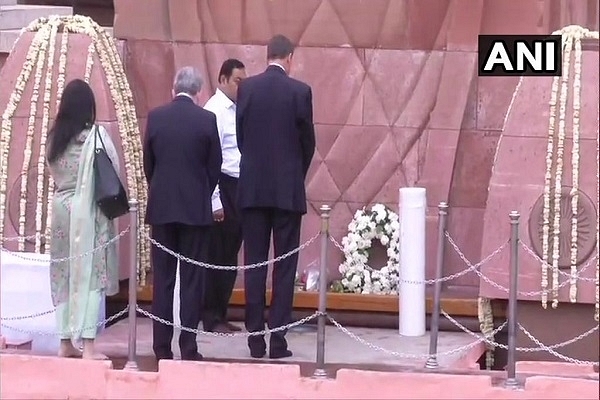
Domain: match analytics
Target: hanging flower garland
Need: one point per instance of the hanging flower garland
(135, 147)
(575, 169)
(114, 68)
(60, 87)
(597, 305)
(89, 63)
(5, 134)
(44, 133)
(105, 48)
(485, 315)
(547, 183)
(377, 223)
(122, 86)
(45, 34)
(572, 36)
(127, 121)
(560, 150)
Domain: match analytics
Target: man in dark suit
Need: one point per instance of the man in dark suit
(276, 138)
(182, 163)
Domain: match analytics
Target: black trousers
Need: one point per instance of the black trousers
(225, 243)
(257, 226)
(192, 242)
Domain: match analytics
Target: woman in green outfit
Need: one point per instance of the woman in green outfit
(78, 227)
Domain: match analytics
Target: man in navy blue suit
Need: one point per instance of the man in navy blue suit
(182, 163)
(276, 139)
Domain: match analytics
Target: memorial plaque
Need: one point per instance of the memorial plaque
(586, 227)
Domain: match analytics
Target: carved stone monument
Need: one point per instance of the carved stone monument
(546, 168)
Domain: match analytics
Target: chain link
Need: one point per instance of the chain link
(181, 257)
(71, 258)
(24, 238)
(336, 244)
(407, 355)
(229, 335)
(555, 353)
(44, 333)
(563, 273)
(497, 285)
(541, 346)
(32, 316)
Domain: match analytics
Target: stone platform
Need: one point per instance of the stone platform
(34, 377)
(340, 350)
(354, 371)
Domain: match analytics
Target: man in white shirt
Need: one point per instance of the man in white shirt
(226, 234)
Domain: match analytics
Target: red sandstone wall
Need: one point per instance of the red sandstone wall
(518, 181)
(396, 97)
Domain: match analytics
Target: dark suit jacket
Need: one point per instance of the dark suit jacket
(182, 163)
(276, 138)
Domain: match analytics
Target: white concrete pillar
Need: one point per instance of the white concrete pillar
(412, 206)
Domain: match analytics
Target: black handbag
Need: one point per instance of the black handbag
(109, 193)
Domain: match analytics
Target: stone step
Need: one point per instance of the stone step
(555, 368)
(8, 2)
(19, 16)
(9, 36)
(24, 344)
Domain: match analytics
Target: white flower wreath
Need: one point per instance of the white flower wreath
(378, 223)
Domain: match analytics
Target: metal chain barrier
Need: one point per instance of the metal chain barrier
(470, 267)
(503, 288)
(555, 353)
(541, 346)
(133, 308)
(181, 257)
(31, 316)
(522, 349)
(82, 255)
(563, 273)
(229, 335)
(43, 333)
(57, 260)
(479, 338)
(408, 355)
(24, 238)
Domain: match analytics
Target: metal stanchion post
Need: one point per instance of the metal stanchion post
(511, 380)
(133, 262)
(432, 361)
(322, 321)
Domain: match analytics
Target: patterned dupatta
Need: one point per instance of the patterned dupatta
(86, 226)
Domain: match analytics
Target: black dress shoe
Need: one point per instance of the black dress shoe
(193, 357)
(257, 346)
(257, 352)
(280, 354)
(164, 357)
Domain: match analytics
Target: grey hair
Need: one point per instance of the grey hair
(188, 80)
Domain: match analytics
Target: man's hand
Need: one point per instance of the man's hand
(218, 215)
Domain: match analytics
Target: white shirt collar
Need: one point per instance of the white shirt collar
(226, 101)
(186, 95)
(279, 65)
